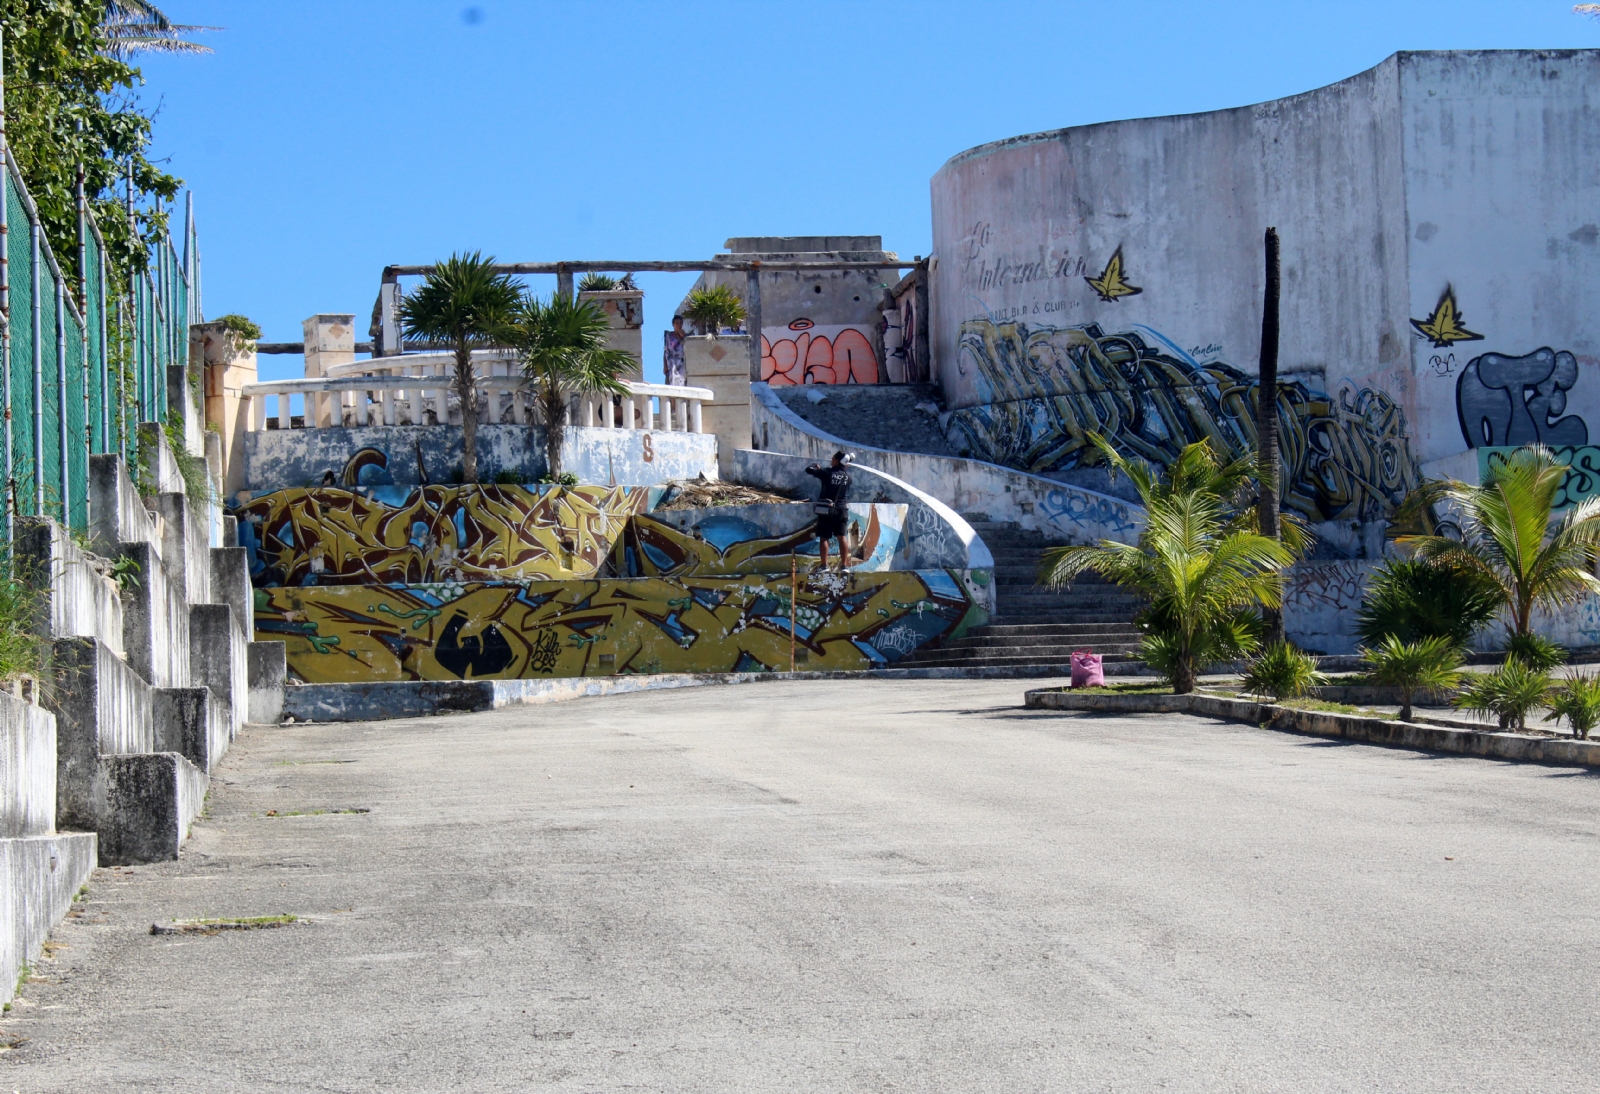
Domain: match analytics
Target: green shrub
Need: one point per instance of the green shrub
(1282, 672)
(21, 649)
(566, 478)
(597, 282)
(196, 473)
(1578, 701)
(507, 478)
(1426, 665)
(241, 330)
(1539, 654)
(710, 310)
(1509, 693)
(1413, 600)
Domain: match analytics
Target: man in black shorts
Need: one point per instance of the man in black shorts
(832, 516)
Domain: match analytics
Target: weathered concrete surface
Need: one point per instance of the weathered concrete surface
(219, 657)
(27, 769)
(190, 722)
(854, 887)
(102, 707)
(116, 511)
(150, 800)
(73, 598)
(278, 458)
(1435, 737)
(267, 673)
(38, 876)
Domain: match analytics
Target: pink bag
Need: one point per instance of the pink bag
(1086, 670)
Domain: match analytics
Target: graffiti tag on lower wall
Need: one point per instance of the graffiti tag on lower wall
(736, 623)
(1346, 456)
(1581, 481)
(384, 534)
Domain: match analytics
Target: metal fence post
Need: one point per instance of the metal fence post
(63, 432)
(5, 306)
(38, 368)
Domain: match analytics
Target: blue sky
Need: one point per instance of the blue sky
(324, 140)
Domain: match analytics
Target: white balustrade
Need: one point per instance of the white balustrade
(417, 392)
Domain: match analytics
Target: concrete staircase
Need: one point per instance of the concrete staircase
(1038, 628)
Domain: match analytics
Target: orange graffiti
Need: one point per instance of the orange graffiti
(847, 358)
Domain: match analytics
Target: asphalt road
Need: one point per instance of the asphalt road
(865, 886)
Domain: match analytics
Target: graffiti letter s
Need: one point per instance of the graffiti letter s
(649, 449)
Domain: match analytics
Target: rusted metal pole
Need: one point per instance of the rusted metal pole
(794, 581)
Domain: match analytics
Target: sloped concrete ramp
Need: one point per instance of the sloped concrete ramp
(836, 886)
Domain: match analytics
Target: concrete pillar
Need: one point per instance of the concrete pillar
(624, 310)
(230, 585)
(229, 364)
(722, 363)
(330, 340)
(269, 672)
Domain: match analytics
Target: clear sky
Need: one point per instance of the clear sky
(327, 139)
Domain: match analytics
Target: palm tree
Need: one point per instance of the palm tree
(1507, 538)
(564, 352)
(1428, 664)
(465, 304)
(137, 26)
(1203, 570)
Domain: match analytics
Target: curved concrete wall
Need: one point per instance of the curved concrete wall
(1439, 240)
(1064, 513)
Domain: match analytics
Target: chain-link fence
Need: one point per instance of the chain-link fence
(82, 362)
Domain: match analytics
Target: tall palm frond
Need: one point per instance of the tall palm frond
(1202, 570)
(1507, 536)
(465, 304)
(137, 26)
(564, 351)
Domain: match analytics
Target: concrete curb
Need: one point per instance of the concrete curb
(422, 698)
(1351, 727)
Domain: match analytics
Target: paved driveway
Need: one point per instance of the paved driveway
(873, 886)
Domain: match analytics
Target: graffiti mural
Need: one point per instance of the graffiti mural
(732, 544)
(1510, 401)
(1346, 456)
(1581, 481)
(805, 353)
(379, 535)
(737, 623)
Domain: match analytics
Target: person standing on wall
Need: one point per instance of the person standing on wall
(832, 515)
(672, 353)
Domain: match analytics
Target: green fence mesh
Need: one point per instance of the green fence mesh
(83, 370)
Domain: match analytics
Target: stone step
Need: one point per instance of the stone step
(1054, 651)
(1050, 630)
(1057, 618)
(933, 659)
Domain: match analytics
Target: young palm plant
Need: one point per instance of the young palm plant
(1507, 538)
(1282, 672)
(1578, 701)
(1428, 664)
(1202, 571)
(465, 304)
(1510, 693)
(563, 349)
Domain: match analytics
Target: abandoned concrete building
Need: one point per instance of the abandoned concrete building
(214, 549)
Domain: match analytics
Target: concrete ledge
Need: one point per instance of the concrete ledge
(150, 800)
(218, 657)
(39, 875)
(75, 600)
(101, 707)
(268, 673)
(192, 723)
(27, 769)
(1350, 727)
(421, 698)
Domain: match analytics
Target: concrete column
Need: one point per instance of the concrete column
(229, 365)
(624, 310)
(722, 363)
(330, 340)
(269, 672)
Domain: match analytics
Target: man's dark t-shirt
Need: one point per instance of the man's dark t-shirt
(835, 492)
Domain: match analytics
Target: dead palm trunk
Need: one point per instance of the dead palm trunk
(1267, 422)
(467, 395)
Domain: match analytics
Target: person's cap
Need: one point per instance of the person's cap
(844, 457)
